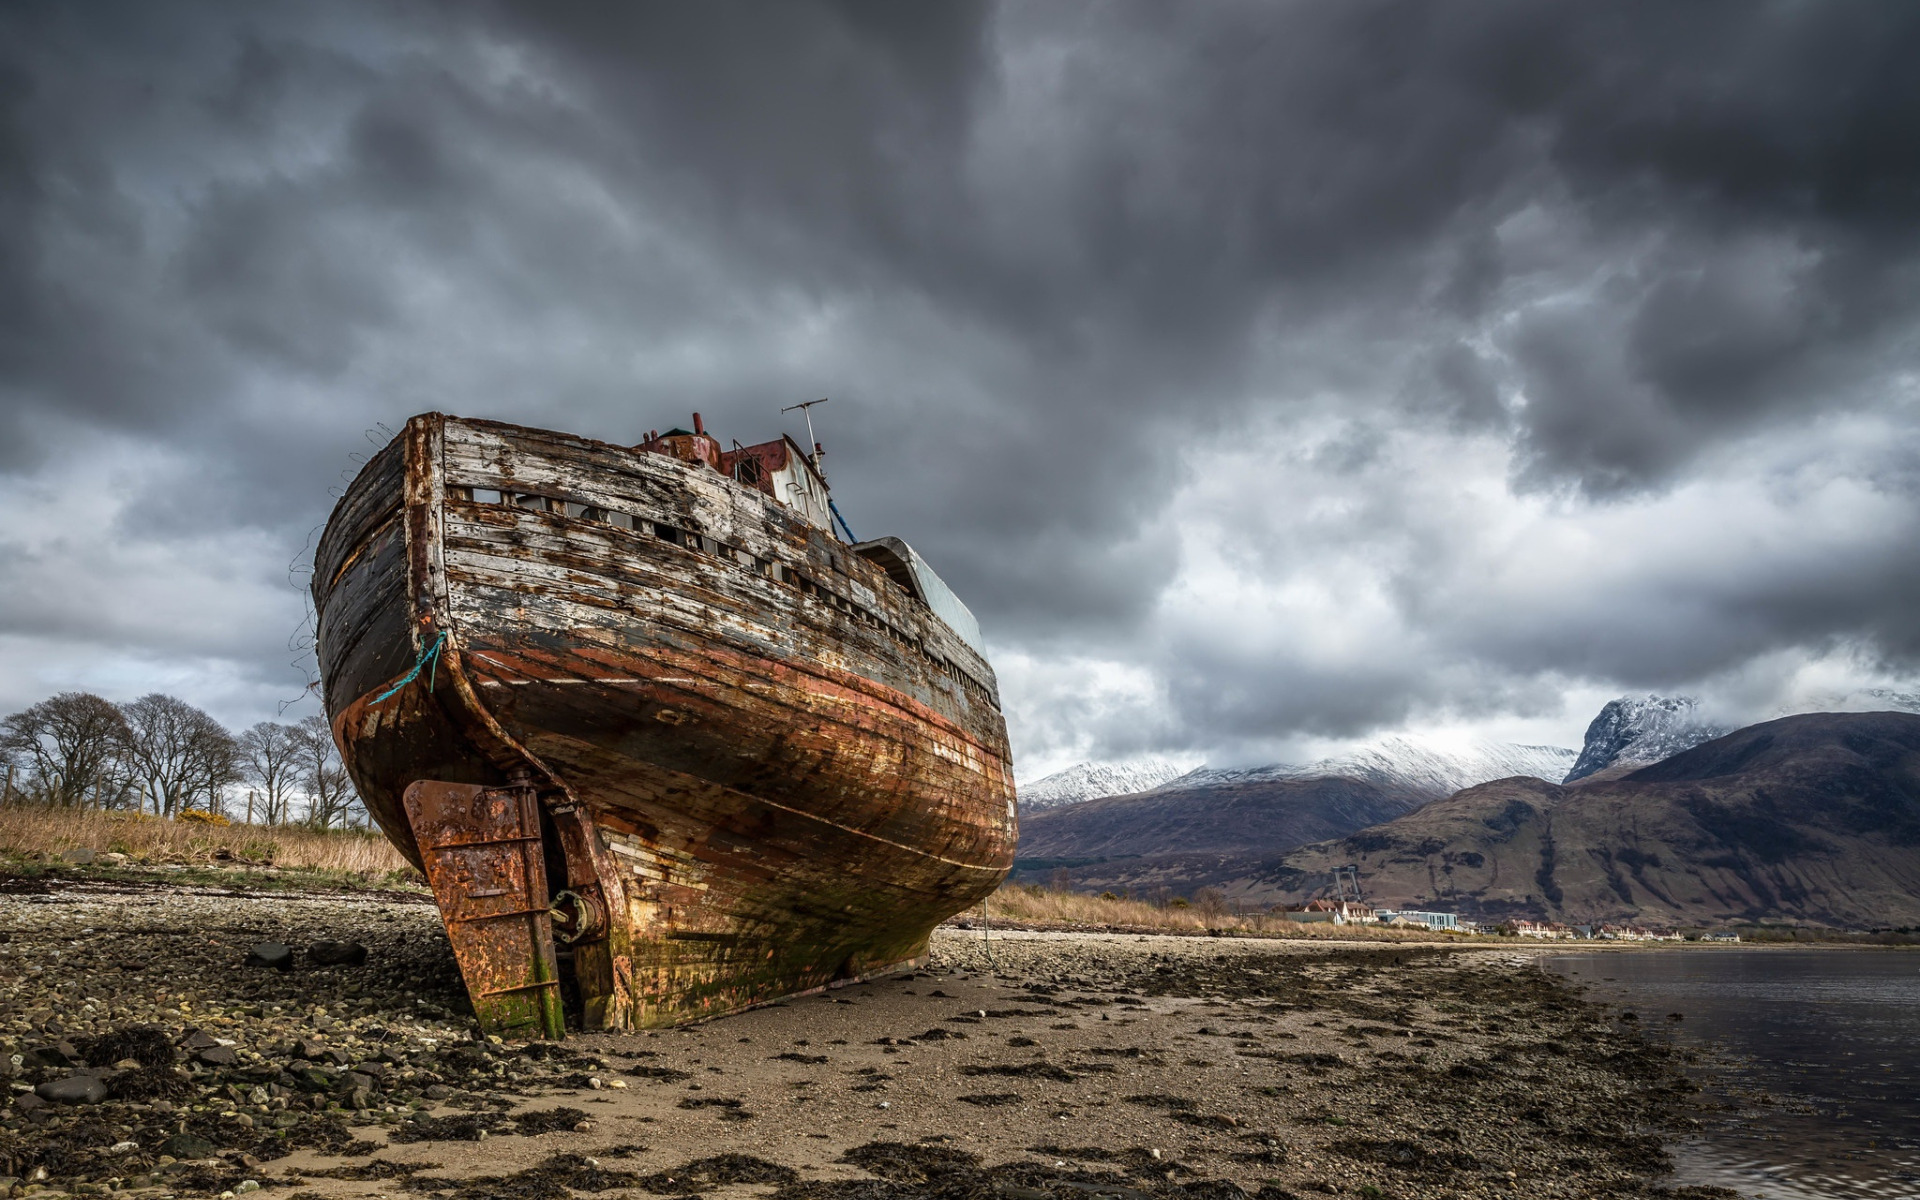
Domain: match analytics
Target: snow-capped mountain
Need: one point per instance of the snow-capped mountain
(1087, 780)
(1404, 762)
(1637, 731)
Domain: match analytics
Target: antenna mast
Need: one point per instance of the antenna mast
(813, 445)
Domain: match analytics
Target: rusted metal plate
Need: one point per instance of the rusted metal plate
(482, 853)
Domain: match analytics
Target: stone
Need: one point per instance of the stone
(271, 954)
(114, 858)
(219, 1056)
(27, 1101)
(80, 856)
(58, 1056)
(74, 1089)
(198, 1039)
(309, 1049)
(185, 1146)
(337, 954)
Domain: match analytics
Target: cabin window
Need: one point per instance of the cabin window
(588, 512)
(530, 502)
(667, 533)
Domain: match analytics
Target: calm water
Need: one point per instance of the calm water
(1824, 1085)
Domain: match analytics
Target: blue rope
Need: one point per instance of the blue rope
(841, 519)
(431, 655)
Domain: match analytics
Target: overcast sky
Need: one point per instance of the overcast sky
(1263, 375)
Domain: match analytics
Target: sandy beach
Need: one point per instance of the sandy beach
(1026, 1066)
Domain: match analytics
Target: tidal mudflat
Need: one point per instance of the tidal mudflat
(1031, 1067)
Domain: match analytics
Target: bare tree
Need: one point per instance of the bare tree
(271, 755)
(219, 765)
(330, 794)
(179, 753)
(74, 745)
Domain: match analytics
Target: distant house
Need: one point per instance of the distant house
(1432, 920)
(1333, 912)
(1537, 929)
(1719, 937)
(1637, 933)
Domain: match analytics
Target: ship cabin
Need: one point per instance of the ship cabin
(782, 470)
(779, 468)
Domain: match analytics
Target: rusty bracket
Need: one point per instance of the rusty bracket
(591, 916)
(482, 851)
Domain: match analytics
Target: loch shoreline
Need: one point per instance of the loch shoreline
(1016, 1064)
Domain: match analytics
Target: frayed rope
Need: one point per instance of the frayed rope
(431, 655)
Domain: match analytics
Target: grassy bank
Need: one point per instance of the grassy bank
(1047, 908)
(36, 839)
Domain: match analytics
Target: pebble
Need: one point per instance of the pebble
(337, 954)
(277, 955)
(74, 1089)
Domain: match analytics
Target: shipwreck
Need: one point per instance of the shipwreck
(665, 744)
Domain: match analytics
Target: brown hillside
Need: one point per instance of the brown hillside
(1813, 818)
(1271, 815)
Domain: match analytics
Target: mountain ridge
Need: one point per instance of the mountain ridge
(1813, 818)
(1091, 780)
(1638, 730)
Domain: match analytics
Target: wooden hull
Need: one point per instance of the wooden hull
(763, 765)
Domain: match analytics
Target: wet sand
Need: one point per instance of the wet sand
(1068, 1066)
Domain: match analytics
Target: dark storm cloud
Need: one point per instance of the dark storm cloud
(1054, 262)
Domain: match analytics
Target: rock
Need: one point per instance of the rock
(271, 954)
(114, 858)
(187, 1146)
(218, 1056)
(438, 1091)
(74, 1089)
(59, 1056)
(80, 856)
(337, 954)
(309, 1049)
(27, 1102)
(198, 1039)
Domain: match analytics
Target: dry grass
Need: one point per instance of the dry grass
(1049, 908)
(41, 834)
